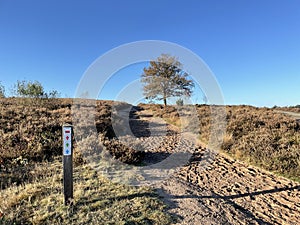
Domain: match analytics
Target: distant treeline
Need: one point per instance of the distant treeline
(29, 89)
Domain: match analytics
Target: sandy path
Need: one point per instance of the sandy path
(234, 193)
(226, 191)
(293, 114)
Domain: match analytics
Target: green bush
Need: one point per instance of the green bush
(2, 91)
(179, 102)
(29, 89)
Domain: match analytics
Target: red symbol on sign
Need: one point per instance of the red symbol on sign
(67, 131)
(67, 137)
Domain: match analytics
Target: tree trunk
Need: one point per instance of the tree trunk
(165, 101)
(165, 97)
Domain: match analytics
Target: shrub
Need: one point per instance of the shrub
(29, 89)
(261, 136)
(2, 91)
(179, 102)
(33, 132)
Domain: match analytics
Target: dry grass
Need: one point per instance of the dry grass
(96, 200)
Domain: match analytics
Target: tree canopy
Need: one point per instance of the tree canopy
(164, 78)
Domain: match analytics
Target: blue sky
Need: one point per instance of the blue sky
(252, 47)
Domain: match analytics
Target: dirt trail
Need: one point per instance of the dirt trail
(292, 114)
(226, 191)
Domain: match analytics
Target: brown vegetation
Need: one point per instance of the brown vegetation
(30, 157)
(295, 109)
(30, 132)
(259, 136)
(31, 169)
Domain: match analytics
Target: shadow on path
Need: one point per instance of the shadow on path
(229, 199)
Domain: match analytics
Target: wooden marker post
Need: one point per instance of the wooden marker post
(67, 162)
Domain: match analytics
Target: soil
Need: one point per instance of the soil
(225, 191)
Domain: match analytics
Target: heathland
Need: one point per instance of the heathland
(31, 151)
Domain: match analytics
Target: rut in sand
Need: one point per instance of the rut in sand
(225, 192)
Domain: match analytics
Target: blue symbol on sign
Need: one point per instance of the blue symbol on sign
(67, 151)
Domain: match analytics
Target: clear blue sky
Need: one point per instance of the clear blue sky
(252, 47)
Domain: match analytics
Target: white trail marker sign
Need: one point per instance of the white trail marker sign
(67, 163)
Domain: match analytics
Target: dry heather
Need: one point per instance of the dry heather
(295, 109)
(30, 132)
(31, 168)
(260, 136)
(30, 157)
